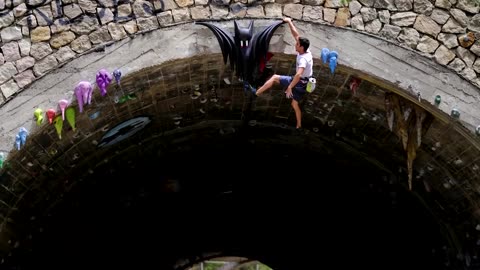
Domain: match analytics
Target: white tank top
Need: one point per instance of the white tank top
(306, 61)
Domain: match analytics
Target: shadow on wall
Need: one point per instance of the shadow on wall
(280, 204)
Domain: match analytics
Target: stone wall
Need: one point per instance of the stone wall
(37, 36)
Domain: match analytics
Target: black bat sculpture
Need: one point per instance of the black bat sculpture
(245, 50)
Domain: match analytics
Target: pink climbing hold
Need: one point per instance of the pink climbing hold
(63, 103)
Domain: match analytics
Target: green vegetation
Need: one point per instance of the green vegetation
(253, 266)
(211, 266)
(247, 266)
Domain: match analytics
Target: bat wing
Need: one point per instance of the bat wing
(226, 42)
(261, 42)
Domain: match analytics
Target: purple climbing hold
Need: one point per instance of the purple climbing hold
(103, 80)
(83, 92)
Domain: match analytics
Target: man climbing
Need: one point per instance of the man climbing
(296, 85)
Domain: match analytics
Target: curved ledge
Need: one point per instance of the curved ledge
(380, 61)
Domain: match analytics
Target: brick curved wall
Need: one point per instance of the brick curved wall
(38, 36)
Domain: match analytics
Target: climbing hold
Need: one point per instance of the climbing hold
(126, 98)
(477, 130)
(2, 159)
(21, 138)
(103, 79)
(438, 99)
(455, 113)
(83, 92)
(50, 115)
(18, 143)
(58, 122)
(94, 115)
(466, 40)
(23, 135)
(118, 75)
(354, 83)
(70, 112)
(332, 60)
(63, 103)
(38, 113)
(324, 55)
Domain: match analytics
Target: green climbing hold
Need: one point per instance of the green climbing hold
(127, 98)
(71, 117)
(58, 122)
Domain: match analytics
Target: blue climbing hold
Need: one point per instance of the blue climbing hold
(21, 138)
(332, 59)
(17, 141)
(324, 55)
(23, 135)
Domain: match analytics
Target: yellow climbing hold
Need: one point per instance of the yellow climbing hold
(38, 113)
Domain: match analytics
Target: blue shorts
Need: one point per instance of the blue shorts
(299, 90)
